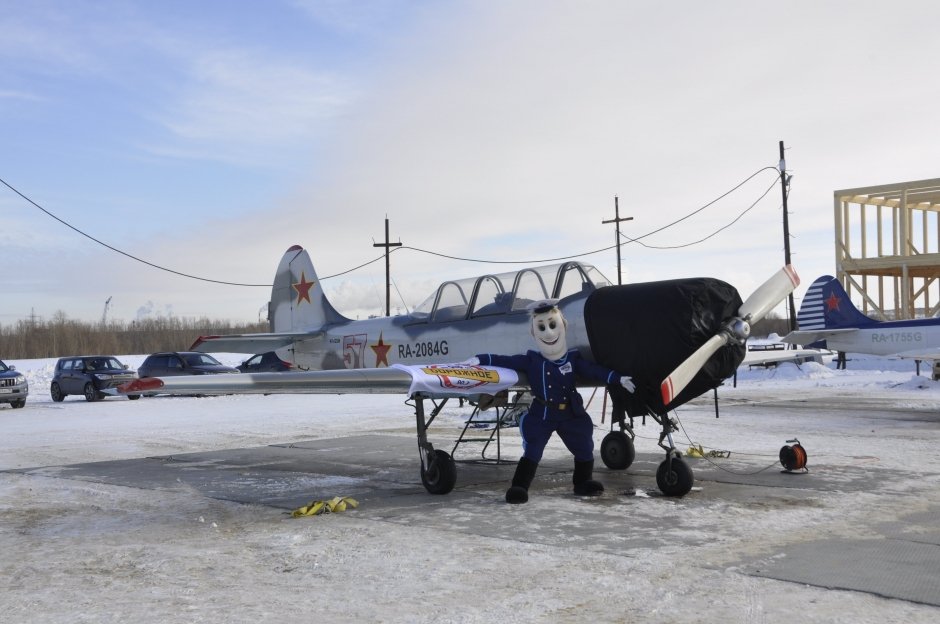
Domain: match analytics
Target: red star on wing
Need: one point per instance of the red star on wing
(832, 303)
(303, 288)
(381, 352)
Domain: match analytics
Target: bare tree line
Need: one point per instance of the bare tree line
(61, 336)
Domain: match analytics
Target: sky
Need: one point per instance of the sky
(207, 138)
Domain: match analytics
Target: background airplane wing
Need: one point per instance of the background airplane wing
(250, 343)
(811, 336)
(927, 354)
(754, 358)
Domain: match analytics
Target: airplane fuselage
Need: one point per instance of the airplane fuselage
(889, 338)
(379, 342)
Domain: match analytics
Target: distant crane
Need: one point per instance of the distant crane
(104, 315)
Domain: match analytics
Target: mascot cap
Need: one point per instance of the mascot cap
(539, 307)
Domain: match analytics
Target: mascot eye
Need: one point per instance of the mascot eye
(541, 327)
(552, 324)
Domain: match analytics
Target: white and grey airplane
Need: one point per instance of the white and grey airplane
(827, 314)
(677, 339)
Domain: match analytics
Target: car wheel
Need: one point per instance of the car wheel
(56, 392)
(18, 404)
(90, 393)
(133, 397)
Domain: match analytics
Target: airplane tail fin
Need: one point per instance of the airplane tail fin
(298, 302)
(826, 305)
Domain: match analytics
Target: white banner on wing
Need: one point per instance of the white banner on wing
(458, 380)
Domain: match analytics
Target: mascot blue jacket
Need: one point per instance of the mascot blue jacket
(557, 405)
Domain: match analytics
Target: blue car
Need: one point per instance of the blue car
(174, 363)
(264, 363)
(89, 376)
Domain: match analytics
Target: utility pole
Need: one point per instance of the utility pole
(784, 183)
(388, 270)
(104, 315)
(617, 219)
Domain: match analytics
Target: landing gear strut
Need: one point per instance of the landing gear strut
(438, 470)
(617, 448)
(674, 477)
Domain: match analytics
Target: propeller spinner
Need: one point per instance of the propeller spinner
(738, 329)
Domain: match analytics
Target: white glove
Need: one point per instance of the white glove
(627, 383)
(474, 361)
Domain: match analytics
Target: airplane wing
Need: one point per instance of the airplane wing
(811, 336)
(435, 381)
(773, 356)
(250, 343)
(930, 354)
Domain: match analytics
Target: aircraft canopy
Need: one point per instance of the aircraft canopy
(508, 292)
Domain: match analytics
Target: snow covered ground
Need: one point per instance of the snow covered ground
(75, 551)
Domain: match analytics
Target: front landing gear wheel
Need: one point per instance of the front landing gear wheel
(617, 450)
(674, 477)
(440, 475)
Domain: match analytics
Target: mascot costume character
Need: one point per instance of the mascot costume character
(557, 405)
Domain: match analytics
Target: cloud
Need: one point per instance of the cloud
(350, 16)
(236, 104)
(504, 130)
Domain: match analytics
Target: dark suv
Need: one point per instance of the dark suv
(13, 386)
(174, 363)
(89, 375)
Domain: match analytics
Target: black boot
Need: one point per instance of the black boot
(525, 472)
(584, 485)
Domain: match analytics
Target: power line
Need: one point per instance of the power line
(715, 233)
(124, 253)
(434, 253)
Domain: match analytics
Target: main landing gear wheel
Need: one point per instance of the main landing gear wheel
(674, 477)
(440, 475)
(617, 450)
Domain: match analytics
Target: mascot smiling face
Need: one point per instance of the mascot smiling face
(548, 329)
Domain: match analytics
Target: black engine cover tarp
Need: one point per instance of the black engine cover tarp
(646, 330)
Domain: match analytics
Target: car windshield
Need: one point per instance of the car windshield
(103, 363)
(3, 367)
(201, 359)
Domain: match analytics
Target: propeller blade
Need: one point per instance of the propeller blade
(683, 374)
(769, 294)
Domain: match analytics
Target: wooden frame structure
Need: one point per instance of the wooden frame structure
(888, 247)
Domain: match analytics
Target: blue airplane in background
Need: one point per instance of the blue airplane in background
(827, 314)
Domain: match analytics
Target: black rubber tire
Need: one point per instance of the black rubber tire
(56, 392)
(441, 475)
(91, 395)
(617, 450)
(674, 478)
(18, 404)
(133, 397)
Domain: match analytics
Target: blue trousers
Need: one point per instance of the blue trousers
(577, 433)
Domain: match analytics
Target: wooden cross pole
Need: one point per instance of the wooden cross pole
(388, 271)
(617, 219)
